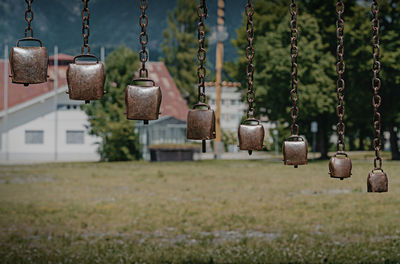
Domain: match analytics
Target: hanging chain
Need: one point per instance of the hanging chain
(294, 34)
(143, 38)
(29, 18)
(340, 68)
(201, 52)
(376, 84)
(250, 56)
(85, 27)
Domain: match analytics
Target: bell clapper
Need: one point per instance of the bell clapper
(26, 84)
(203, 146)
(341, 179)
(296, 166)
(146, 122)
(250, 152)
(87, 102)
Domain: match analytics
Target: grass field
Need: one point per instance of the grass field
(196, 212)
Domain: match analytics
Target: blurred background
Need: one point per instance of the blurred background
(71, 131)
(60, 204)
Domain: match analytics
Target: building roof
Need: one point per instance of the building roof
(172, 104)
(18, 93)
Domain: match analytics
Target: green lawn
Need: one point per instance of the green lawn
(196, 212)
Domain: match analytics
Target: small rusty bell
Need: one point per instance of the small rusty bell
(142, 102)
(251, 136)
(201, 123)
(377, 181)
(340, 166)
(86, 79)
(295, 151)
(29, 64)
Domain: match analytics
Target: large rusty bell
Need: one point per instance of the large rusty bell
(251, 135)
(201, 123)
(377, 181)
(86, 79)
(142, 101)
(295, 151)
(340, 166)
(29, 64)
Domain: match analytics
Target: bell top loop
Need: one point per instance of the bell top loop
(295, 138)
(340, 153)
(86, 56)
(248, 120)
(29, 39)
(201, 104)
(142, 80)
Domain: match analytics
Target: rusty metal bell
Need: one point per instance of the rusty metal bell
(340, 166)
(377, 181)
(295, 151)
(86, 79)
(251, 136)
(201, 123)
(29, 64)
(142, 102)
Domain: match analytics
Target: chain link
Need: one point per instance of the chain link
(143, 38)
(294, 34)
(85, 27)
(201, 52)
(28, 19)
(340, 68)
(376, 83)
(250, 55)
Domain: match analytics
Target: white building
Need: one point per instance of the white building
(232, 106)
(41, 123)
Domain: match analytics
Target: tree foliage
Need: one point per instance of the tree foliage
(179, 47)
(317, 52)
(107, 117)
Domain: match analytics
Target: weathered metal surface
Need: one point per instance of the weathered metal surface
(295, 151)
(377, 181)
(143, 38)
(294, 52)
(251, 136)
(142, 102)
(29, 64)
(340, 166)
(85, 79)
(201, 123)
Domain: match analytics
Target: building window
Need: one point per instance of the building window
(75, 137)
(34, 136)
(233, 102)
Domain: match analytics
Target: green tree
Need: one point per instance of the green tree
(179, 47)
(316, 77)
(107, 117)
(391, 70)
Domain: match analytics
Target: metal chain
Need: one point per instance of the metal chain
(340, 68)
(294, 34)
(201, 52)
(376, 84)
(250, 55)
(85, 27)
(29, 18)
(143, 38)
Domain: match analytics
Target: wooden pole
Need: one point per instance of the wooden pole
(219, 62)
